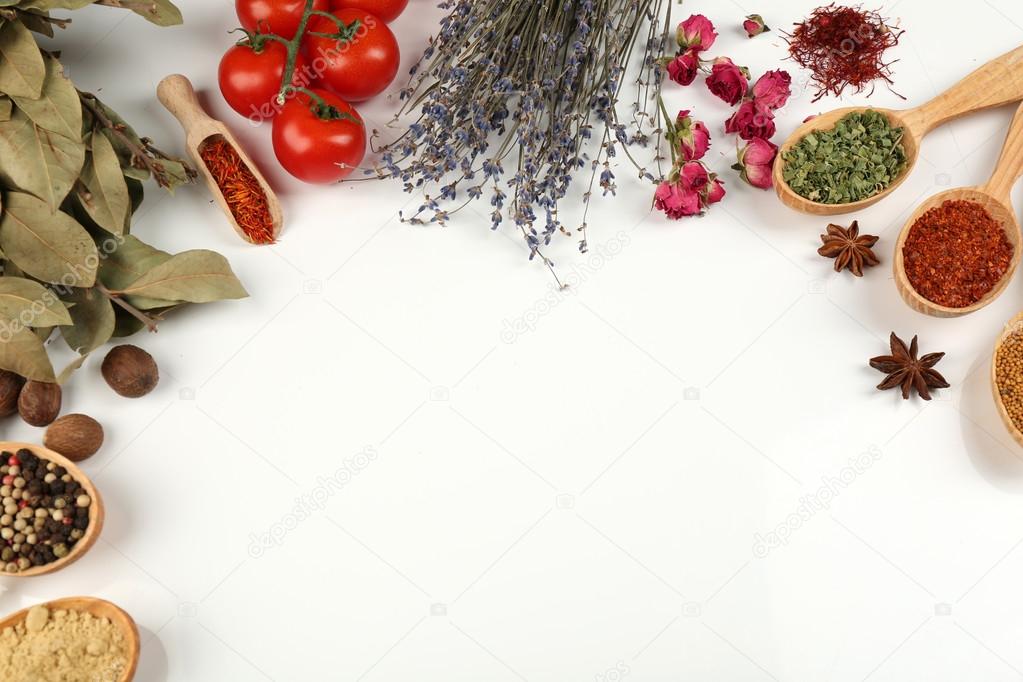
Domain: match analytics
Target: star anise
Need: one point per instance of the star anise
(906, 370)
(849, 248)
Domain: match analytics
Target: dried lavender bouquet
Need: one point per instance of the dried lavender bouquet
(514, 98)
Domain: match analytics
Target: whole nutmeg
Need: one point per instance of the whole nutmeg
(76, 436)
(10, 388)
(39, 403)
(130, 371)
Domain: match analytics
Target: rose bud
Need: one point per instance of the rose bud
(773, 89)
(751, 120)
(728, 81)
(756, 163)
(754, 25)
(696, 33)
(684, 67)
(715, 191)
(692, 137)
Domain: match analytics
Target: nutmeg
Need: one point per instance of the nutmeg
(39, 403)
(130, 371)
(10, 388)
(76, 436)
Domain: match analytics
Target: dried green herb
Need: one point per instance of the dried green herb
(71, 174)
(861, 156)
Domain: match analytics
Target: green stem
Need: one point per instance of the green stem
(669, 125)
(294, 46)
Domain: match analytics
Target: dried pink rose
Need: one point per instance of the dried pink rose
(756, 162)
(715, 191)
(728, 81)
(773, 89)
(751, 120)
(676, 201)
(694, 176)
(684, 67)
(696, 33)
(754, 25)
(692, 137)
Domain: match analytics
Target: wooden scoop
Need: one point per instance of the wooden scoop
(996, 83)
(1011, 328)
(101, 609)
(178, 96)
(97, 513)
(995, 197)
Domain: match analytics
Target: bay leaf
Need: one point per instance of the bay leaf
(93, 317)
(159, 12)
(38, 161)
(37, 21)
(192, 276)
(22, 70)
(6, 106)
(30, 303)
(57, 108)
(22, 352)
(72, 367)
(105, 196)
(52, 247)
(128, 262)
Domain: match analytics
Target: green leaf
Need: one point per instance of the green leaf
(93, 317)
(127, 263)
(51, 247)
(22, 71)
(22, 352)
(192, 276)
(57, 109)
(39, 161)
(30, 303)
(102, 191)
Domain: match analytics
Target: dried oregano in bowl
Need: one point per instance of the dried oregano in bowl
(71, 177)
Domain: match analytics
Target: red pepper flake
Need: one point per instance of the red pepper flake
(241, 189)
(844, 47)
(956, 253)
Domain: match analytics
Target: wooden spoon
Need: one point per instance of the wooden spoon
(96, 511)
(178, 96)
(996, 83)
(995, 197)
(1013, 327)
(101, 609)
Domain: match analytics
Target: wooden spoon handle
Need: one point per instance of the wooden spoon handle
(996, 83)
(178, 96)
(1010, 165)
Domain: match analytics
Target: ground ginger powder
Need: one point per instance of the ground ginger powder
(62, 646)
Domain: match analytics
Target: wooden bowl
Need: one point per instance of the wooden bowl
(1014, 325)
(96, 512)
(101, 609)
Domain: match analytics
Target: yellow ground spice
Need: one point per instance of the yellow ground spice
(62, 646)
(1009, 376)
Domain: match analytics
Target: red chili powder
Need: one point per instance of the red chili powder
(241, 189)
(956, 253)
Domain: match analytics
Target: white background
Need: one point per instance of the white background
(579, 498)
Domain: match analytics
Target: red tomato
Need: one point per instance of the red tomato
(319, 144)
(359, 68)
(251, 79)
(388, 10)
(274, 16)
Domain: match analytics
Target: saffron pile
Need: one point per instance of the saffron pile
(241, 190)
(956, 254)
(844, 48)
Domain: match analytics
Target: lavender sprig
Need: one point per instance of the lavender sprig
(511, 96)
